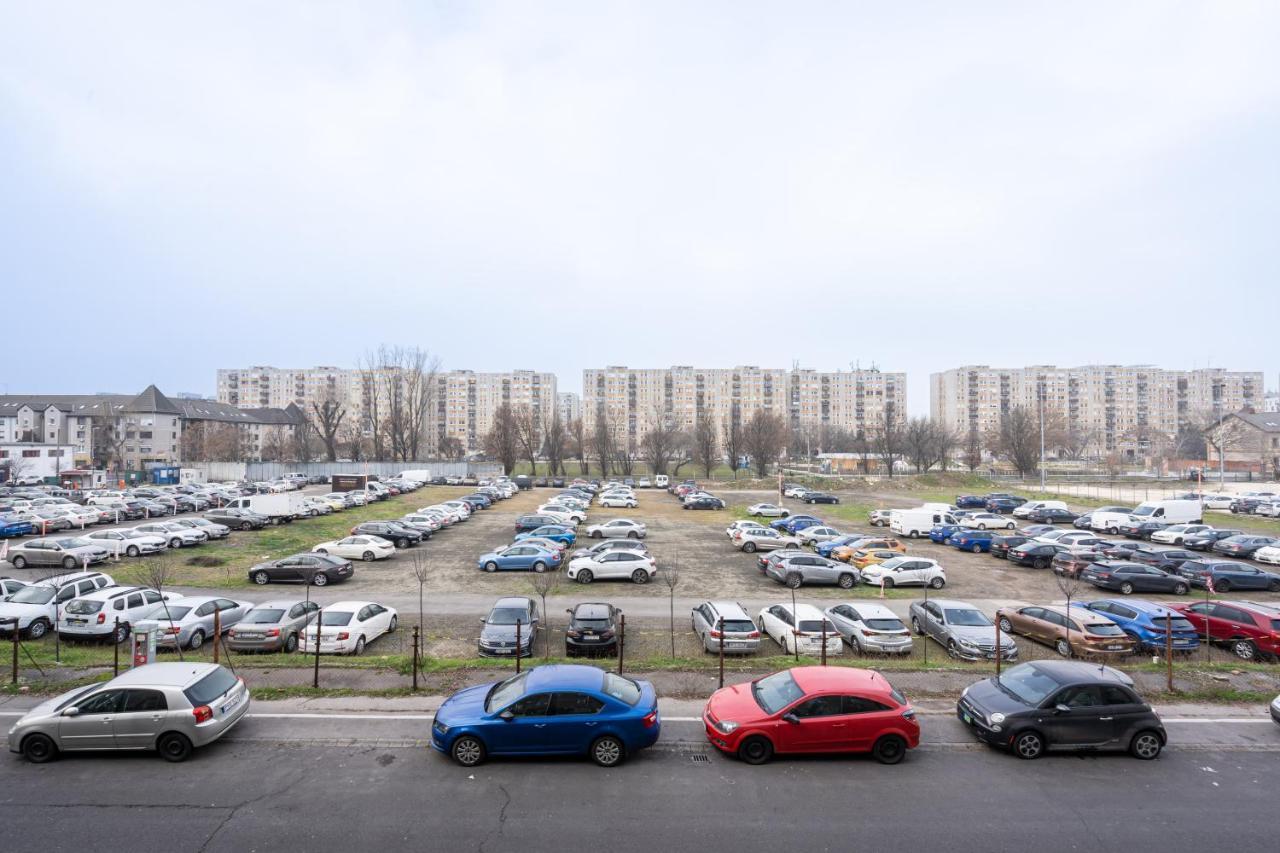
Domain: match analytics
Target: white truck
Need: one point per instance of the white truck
(1170, 511)
(914, 523)
(280, 508)
(422, 475)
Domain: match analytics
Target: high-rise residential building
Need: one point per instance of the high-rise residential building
(569, 405)
(1105, 409)
(637, 400)
(263, 386)
(466, 402)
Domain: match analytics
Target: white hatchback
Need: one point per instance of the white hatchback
(346, 627)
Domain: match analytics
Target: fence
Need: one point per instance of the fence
(255, 471)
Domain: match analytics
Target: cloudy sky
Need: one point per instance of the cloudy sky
(556, 186)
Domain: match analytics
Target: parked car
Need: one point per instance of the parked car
(962, 629)
(870, 627)
(1003, 506)
(128, 541)
(906, 571)
(879, 518)
(273, 626)
(1248, 629)
(499, 628)
(521, 556)
(170, 708)
(817, 534)
(1037, 555)
(1074, 633)
(108, 613)
(617, 528)
(1243, 546)
(1148, 624)
(819, 498)
(795, 569)
(36, 605)
(11, 526)
(976, 541)
(592, 629)
(987, 520)
(67, 552)
(788, 524)
(1128, 578)
(367, 548)
(970, 502)
(1175, 534)
(1052, 515)
(1205, 540)
(1001, 545)
(1140, 528)
(1070, 705)
(8, 586)
(560, 709)
(238, 519)
(704, 502)
(768, 510)
(553, 532)
(1037, 530)
(613, 565)
(1071, 563)
(862, 559)
(399, 535)
(804, 627)
(175, 534)
(812, 710)
(346, 627)
(1227, 575)
(1165, 559)
(312, 568)
(844, 553)
(189, 621)
(725, 625)
(853, 540)
(1269, 554)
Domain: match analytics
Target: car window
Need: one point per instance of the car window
(564, 704)
(1079, 696)
(135, 600)
(819, 706)
(139, 701)
(1112, 695)
(536, 705)
(106, 702)
(205, 609)
(862, 705)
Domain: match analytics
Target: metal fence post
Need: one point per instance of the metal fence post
(722, 651)
(999, 650)
(415, 657)
(115, 647)
(622, 639)
(15, 651)
(315, 676)
(217, 632)
(517, 646)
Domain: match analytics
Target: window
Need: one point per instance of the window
(819, 706)
(142, 701)
(862, 705)
(30, 454)
(106, 702)
(1080, 696)
(536, 705)
(1117, 696)
(575, 703)
(210, 687)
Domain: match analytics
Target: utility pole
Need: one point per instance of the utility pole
(1042, 396)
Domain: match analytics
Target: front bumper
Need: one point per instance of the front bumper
(977, 725)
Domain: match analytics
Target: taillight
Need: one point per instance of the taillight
(102, 618)
(651, 719)
(754, 635)
(715, 635)
(172, 630)
(203, 714)
(344, 635)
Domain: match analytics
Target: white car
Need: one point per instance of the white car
(423, 522)
(316, 506)
(613, 565)
(1222, 502)
(768, 511)
(906, 571)
(870, 628)
(795, 492)
(175, 534)
(367, 548)
(618, 528)
(1269, 554)
(754, 539)
(1071, 538)
(804, 626)
(619, 501)
(79, 516)
(562, 511)
(462, 508)
(1175, 534)
(817, 534)
(94, 615)
(35, 605)
(545, 544)
(643, 483)
(1268, 510)
(988, 521)
(346, 627)
(734, 526)
(128, 541)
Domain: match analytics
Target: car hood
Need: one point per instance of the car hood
(10, 609)
(987, 698)
(975, 634)
(465, 705)
(503, 632)
(736, 704)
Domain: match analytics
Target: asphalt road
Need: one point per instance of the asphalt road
(364, 782)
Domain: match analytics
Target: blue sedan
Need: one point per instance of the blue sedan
(13, 526)
(1146, 621)
(795, 523)
(561, 709)
(976, 541)
(520, 557)
(940, 533)
(554, 532)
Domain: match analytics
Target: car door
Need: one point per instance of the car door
(1086, 721)
(573, 721)
(845, 618)
(142, 719)
(379, 621)
(864, 720)
(1248, 577)
(819, 725)
(1034, 623)
(521, 727)
(93, 725)
(934, 623)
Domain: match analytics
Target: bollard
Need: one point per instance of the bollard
(824, 640)
(1168, 649)
(999, 655)
(15, 650)
(315, 677)
(115, 645)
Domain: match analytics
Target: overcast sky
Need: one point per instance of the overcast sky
(566, 185)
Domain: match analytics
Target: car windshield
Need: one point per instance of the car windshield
(775, 692)
(968, 618)
(263, 617)
(165, 612)
(210, 687)
(33, 595)
(335, 618)
(621, 688)
(1108, 630)
(1027, 683)
(505, 692)
(82, 606)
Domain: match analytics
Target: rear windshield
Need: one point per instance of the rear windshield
(1178, 623)
(82, 606)
(263, 617)
(739, 625)
(621, 688)
(815, 626)
(210, 687)
(885, 625)
(333, 618)
(1100, 630)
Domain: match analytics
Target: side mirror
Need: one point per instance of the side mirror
(569, 610)
(506, 716)
(791, 718)
(1061, 709)
(483, 621)
(73, 711)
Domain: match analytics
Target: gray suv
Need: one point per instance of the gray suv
(799, 569)
(710, 618)
(272, 626)
(964, 630)
(167, 707)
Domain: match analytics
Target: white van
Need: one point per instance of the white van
(938, 507)
(914, 523)
(1031, 506)
(421, 475)
(660, 481)
(1170, 512)
(1109, 518)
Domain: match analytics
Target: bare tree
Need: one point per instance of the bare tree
(764, 437)
(404, 393)
(734, 447)
(374, 410)
(973, 449)
(329, 415)
(528, 435)
(503, 441)
(660, 443)
(421, 573)
(705, 446)
(602, 441)
(109, 442)
(452, 448)
(671, 577)
(1069, 585)
(157, 573)
(944, 441)
(863, 446)
(917, 443)
(1017, 439)
(1074, 442)
(889, 441)
(544, 584)
(554, 442)
(578, 430)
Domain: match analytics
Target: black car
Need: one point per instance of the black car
(1120, 550)
(1206, 539)
(1242, 546)
(557, 482)
(1034, 530)
(1141, 529)
(1128, 578)
(970, 502)
(400, 534)
(1083, 522)
(1051, 515)
(593, 629)
(1002, 545)
(1245, 506)
(477, 501)
(704, 502)
(1165, 559)
(1003, 506)
(820, 498)
(317, 569)
(1037, 557)
(154, 509)
(1070, 705)
(238, 519)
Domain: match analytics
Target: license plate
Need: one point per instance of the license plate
(77, 621)
(967, 719)
(233, 703)
(249, 636)
(1114, 648)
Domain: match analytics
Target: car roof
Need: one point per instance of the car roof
(1151, 608)
(592, 610)
(565, 676)
(348, 605)
(729, 609)
(109, 592)
(806, 611)
(872, 611)
(1074, 672)
(514, 601)
(1061, 609)
(275, 603)
(63, 580)
(812, 678)
(177, 674)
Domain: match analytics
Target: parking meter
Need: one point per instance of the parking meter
(144, 646)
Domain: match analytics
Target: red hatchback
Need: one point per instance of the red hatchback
(812, 709)
(1248, 629)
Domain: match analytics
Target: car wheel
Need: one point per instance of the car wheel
(174, 747)
(68, 563)
(846, 581)
(1126, 588)
(120, 633)
(320, 579)
(1039, 563)
(1222, 585)
(291, 644)
(915, 534)
(261, 578)
(359, 646)
(585, 576)
(37, 629)
(1274, 586)
(132, 551)
(1145, 745)
(750, 547)
(755, 750)
(640, 576)
(402, 543)
(794, 580)
(633, 535)
(468, 751)
(977, 549)
(915, 627)
(785, 515)
(608, 751)
(539, 567)
(1063, 648)
(888, 583)
(491, 566)
(1180, 589)
(38, 748)
(393, 624)
(196, 641)
(1028, 745)
(982, 526)
(1244, 649)
(19, 562)
(246, 526)
(368, 556)
(1005, 625)
(595, 534)
(889, 749)
(936, 583)
(952, 649)
(1113, 530)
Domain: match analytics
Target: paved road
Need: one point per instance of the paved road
(364, 782)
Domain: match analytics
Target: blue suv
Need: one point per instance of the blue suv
(976, 541)
(1145, 622)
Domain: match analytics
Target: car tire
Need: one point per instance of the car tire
(1114, 531)
(585, 576)
(368, 556)
(915, 627)
(890, 749)
(937, 583)
(631, 534)
(491, 566)
(1146, 745)
(596, 534)
(795, 580)
(1039, 563)
(1274, 586)
(359, 650)
(915, 534)
(1244, 649)
(196, 640)
(847, 581)
(290, 644)
(608, 751)
(468, 751)
(132, 551)
(319, 579)
(69, 563)
(640, 576)
(750, 547)
(1062, 647)
(1223, 585)
(755, 750)
(37, 629)
(261, 578)
(324, 551)
(246, 526)
(981, 526)
(539, 567)
(977, 549)
(19, 562)
(173, 747)
(1028, 745)
(888, 583)
(120, 633)
(1126, 588)
(38, 748)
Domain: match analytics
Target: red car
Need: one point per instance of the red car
(1250, 630)
(812, 709)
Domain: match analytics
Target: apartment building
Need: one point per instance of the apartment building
(569, 406)
(262, 386)
(1106, 408)
(637, 400)
(466, 401)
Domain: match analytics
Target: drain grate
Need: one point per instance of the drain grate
(699, 759)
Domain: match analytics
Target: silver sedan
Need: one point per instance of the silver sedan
(189, 622)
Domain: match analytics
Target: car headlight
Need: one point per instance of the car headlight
(967, 644)
(996, 718)
(727, 727)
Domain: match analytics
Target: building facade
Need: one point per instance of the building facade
(1245, 441)
(1106, 409)
(569, 405)
(466, 401)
